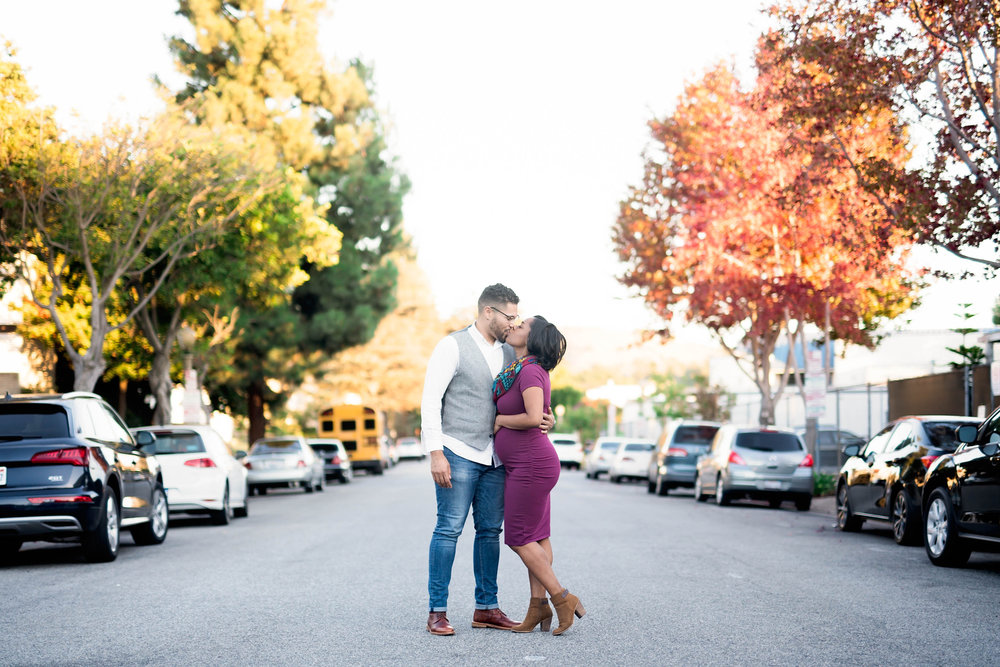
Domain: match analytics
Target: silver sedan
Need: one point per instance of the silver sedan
(283, 462)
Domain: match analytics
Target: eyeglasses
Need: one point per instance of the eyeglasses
(510, 318)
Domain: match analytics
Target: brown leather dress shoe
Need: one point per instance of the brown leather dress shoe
(491, 618)
(437, 624)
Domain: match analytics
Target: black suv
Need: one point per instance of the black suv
(70, 469)
(961, 496)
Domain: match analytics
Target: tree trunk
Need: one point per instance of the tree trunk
(255, 412)
(88, 369)
(766, 408)
(161, 386)
(122, 397)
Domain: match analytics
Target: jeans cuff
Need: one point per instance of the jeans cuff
(434, 609)
(495, 605)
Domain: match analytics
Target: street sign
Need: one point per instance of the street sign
(815, 384)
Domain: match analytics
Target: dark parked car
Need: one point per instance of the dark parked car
(961, 496)
(675, 463)
(336, 462)
(70, 470)
(884, 479)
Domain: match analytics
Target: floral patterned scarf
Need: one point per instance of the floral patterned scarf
(507, 376)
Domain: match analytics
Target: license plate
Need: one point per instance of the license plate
(772, 485)
(3, 475)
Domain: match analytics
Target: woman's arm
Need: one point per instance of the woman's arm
(531, 418)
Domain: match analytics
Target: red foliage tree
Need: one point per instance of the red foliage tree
(936, 64)
(753, 229)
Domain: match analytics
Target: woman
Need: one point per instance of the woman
(521, 392)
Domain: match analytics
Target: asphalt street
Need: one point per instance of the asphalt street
(340, 578)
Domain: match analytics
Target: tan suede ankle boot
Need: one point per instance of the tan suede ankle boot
(539, 611)
(567, 605)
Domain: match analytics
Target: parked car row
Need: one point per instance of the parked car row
(71, 470)
(935, 479)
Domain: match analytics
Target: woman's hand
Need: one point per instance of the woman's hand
(496, 424)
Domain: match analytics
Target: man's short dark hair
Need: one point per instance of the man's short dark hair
(497, 295)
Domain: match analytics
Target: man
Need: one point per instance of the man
(457, 414)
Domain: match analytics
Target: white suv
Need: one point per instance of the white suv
(568, 448)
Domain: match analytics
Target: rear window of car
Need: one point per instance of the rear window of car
(769, 442)
(178, 443)
(276, 447)
(34, 420)
(695, 435)
(610, 445)
(942, 434)
(639, 447)
(324, 446)
(564, 441)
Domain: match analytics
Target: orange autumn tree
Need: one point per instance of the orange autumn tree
(750, 228)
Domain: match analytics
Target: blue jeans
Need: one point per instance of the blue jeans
(480, 487)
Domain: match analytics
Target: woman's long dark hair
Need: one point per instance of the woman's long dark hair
(546, 343)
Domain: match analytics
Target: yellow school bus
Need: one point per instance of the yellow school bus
(362, 430)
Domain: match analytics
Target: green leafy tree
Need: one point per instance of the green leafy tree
(972, 355)
(262, 68)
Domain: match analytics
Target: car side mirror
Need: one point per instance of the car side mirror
(966, 433)
(144, 439)
(852, 450)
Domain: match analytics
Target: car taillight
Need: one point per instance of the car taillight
(200, 463)
(335, 460)
(301, 464)
(627, 458)
(676, 451)
(247, 465)
(736, 459)
(807, 462)
(60, 499)
(77, 456)
(929, 459)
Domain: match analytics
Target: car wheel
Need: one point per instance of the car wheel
(377, 469)
(721, 497)
(346, 477)
(614, 479)
(154, 531)
(223, 516)
(650, 486)
(699, 493)
(101, 544)
(661, 488)
(261, 490)
(941, 540)
(802, 503)
(846, 521)
(321, 484)
(905, 523)
(243, 512)
(774, 503)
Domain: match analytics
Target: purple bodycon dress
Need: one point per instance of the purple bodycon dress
(531, 462)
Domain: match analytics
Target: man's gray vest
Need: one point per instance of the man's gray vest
(468, 411)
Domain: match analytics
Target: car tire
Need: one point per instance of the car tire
(846, 521)
(101, 544)
(223, 516)
(243, 512)
(905, 521)
(941, 540)
(261, 490)
(154, 531)
(774, 503)
(308, 486)
(614, 479)
(802, 503)
(321, 484)
(699, 493)
(650, 486)
(346, 477)
(722, 498)
(377, 469)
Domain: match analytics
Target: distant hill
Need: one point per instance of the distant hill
(623, 357)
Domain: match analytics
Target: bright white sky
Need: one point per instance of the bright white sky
(520, 123)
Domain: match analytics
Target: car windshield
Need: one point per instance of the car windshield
(942, 434)
(764, 441)
(178, 443)
(638, 447)
(37, 420)
(276, 447)
(695, 435)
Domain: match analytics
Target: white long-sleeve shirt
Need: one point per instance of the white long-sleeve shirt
(441, 368)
